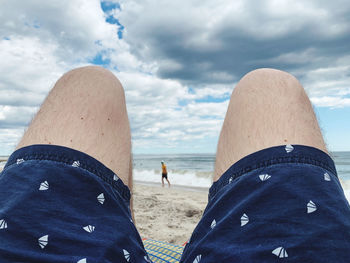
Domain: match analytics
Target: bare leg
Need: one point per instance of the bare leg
(86, 111)
(162, 181)
(267, 108)
(168, 182)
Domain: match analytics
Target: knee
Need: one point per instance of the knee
(91, 81)
(269, 73)
(92, 75)
(269, 82)
(91, 69)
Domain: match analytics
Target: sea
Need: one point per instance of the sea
(196, 170)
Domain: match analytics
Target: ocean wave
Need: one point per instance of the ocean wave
(196, 179)
(191, 178)
(2, 165)
(176, 177)
(346, 187)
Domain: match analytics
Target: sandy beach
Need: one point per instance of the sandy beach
(170, 215)
(167, 214)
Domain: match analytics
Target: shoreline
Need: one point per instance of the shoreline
(200, 189)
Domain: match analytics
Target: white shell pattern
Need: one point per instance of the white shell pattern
(76, 164)
(244, 220)
(43, 241)
(3, 224)
(44, 186)
(213, 224)
(280, 252)
(264, 177)
(289, 148)
(197, 259)
(126, 255)
(101, 198)
(89, 228)
(18, 161)
(311, 207)
(326, 177)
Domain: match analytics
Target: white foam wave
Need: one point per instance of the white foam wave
(2, 165)
(189, 178)
(346, 187)
(193, 179)
(182, 178)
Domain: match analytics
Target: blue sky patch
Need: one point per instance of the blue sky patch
(100, 60)
(182, 103)
(191, 90)
(108, 6)
(212, 99)
(334, 127)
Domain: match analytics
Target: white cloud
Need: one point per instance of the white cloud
(333, 102)
(28, 69)
(329, 87)
(210, 109)
(178, 60)
(157, 118)
(221, 41)
(74, 26)
(16, 114)
(214, 91)
(205, 25)
(13, 120)
(28, 64)
(9, 139)
(297, 57)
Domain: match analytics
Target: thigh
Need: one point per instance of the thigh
(267, 108)
(61, 205)
(86, 111)
(283, 202)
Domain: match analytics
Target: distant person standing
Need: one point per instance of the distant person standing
(164, 174)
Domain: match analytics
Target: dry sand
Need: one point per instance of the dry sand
(167, 214)
(170, 215)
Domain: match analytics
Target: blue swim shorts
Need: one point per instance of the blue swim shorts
(281, 204)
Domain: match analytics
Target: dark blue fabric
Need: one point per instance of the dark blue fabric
(63, 210)
(279, 204)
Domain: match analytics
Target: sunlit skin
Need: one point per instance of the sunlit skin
(267, 108)
(86, 111)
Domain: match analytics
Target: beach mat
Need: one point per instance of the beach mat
(162, 252)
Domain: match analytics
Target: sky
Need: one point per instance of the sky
(177, 60)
